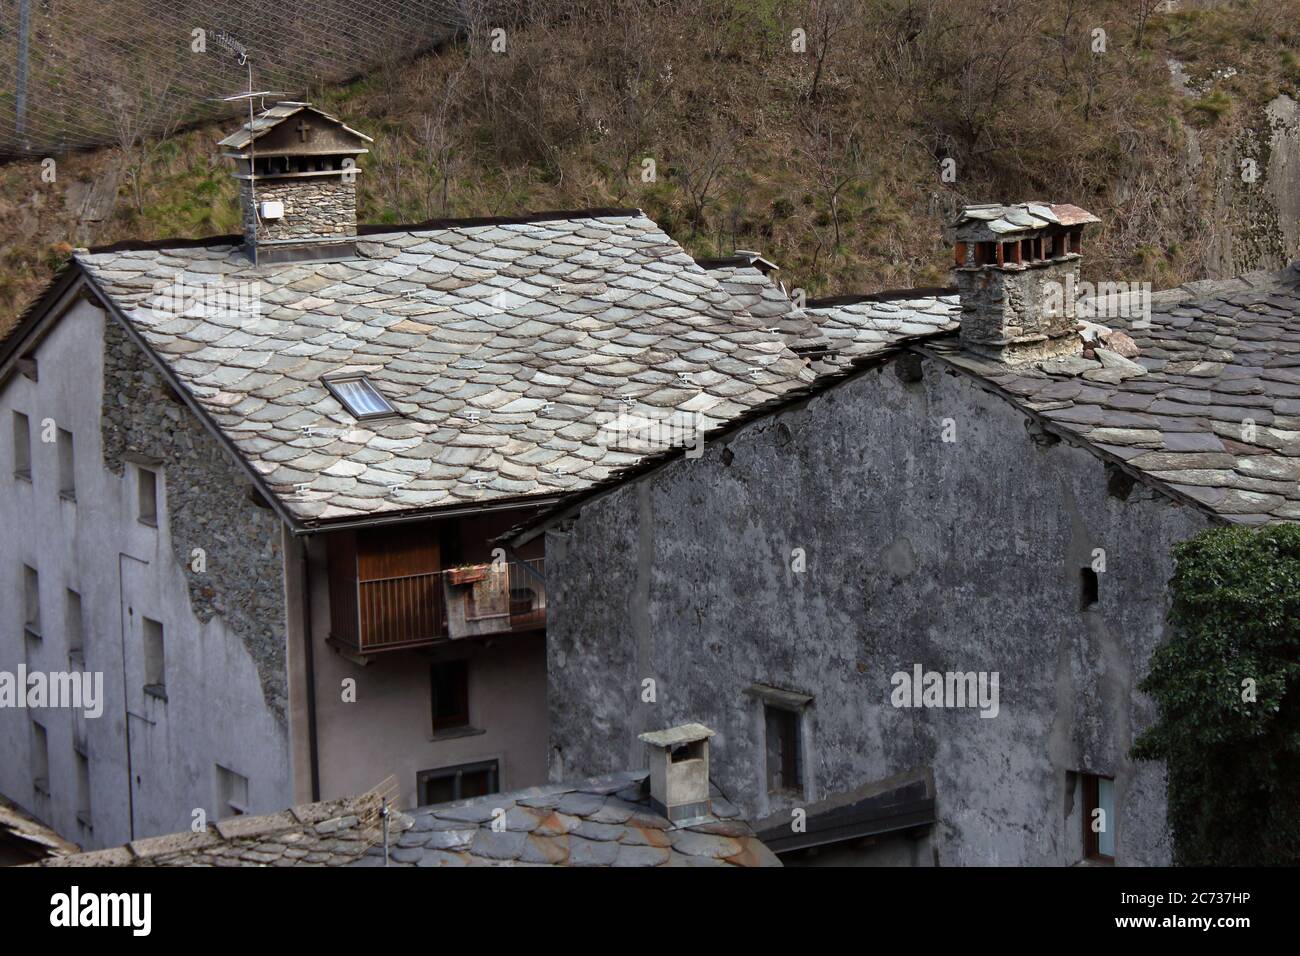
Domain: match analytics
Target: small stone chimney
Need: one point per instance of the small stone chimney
(1017, 268)
(679, 771)
(297, 172)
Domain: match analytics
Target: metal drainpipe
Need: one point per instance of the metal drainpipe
(311, 671)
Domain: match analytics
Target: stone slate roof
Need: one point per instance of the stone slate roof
(607, 821)
(1218, 355)
(1020, 217)
(866, 325)
(602, 822)
(839, 331)
(269, 119)
(504, 345)
(331, 833)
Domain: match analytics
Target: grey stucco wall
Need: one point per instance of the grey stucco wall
(960, 556)
(151, 761)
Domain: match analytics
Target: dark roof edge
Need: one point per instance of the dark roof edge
(522, 534)
(889, 295)
(31, 316)
(379, 229)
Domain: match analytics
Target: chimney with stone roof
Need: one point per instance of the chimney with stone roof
(297, 170)
(1017, 267)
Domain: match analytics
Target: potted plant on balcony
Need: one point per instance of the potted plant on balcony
(467, 573)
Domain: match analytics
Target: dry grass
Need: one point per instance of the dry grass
(828, 161)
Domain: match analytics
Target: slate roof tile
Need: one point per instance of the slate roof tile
(1217, 425)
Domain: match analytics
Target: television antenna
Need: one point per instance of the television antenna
(240, 53)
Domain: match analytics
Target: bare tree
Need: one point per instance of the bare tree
(828, 18)
(143, 114)
(439, 139)
(701, 168)
(834, 158)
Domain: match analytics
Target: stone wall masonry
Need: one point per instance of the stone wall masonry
(314, 207)
(209, 507)
(961, 556)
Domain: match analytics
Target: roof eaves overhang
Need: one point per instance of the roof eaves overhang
(36, 320)
(515, 503)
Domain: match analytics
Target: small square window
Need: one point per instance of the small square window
(147, 496)
(22, 446)
(456, 783)
(83, 788)
(67, 466)
(155, 670)
(232, 793)
(1099, 818)
(360, 397)
(449, 694)
(74, 623)
(40, 759)
(784, 750)
(31, 601)
(1089, 589)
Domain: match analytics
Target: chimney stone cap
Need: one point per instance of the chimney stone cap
(1002, 218)
(676, 736)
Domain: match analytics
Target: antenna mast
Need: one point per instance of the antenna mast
(241, 56)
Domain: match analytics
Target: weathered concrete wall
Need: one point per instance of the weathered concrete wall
(961, 556)
(223, 629)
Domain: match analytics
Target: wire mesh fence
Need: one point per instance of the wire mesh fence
(83, 73)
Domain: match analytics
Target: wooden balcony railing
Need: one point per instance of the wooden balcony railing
(413, 610)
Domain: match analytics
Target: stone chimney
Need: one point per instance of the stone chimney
(297, 172)
(679, 771)
(1017, 270)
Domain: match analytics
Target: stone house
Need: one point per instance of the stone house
(915, 598)
(254, 485)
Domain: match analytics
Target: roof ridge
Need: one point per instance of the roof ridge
(887, 295)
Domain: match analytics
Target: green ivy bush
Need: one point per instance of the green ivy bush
(1227, 684)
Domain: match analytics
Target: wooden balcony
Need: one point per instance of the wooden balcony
(401, 611)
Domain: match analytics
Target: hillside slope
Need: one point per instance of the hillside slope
(841, 159)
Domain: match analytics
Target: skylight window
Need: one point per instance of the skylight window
(360, 397)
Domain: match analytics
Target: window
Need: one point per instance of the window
(146, 484)
(449, 694)
(359, 397)
(155, 672)
(1099, 818)
(74, 623)
(83, 788)
(67, 466)
(1089, 589)
(232, 793)
(31, 601)
(456, 783)
(784, 753)
(22, 446)
(40, 759)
